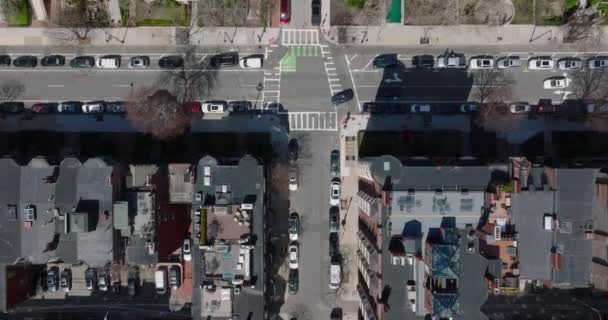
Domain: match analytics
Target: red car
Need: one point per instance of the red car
(285, 11)
(194, 107)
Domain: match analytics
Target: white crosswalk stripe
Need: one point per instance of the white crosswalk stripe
(313, 121)
(300, 37)
(272, 86)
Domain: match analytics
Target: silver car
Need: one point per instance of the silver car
(570, 64)
(508, 62)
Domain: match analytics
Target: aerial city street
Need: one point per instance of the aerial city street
(304, 159)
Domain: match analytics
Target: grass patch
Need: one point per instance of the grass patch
(548, 12)
(524, 12)
(153, 23)
(19, 16)
(356, 4)
(162, 13)
(554, 21)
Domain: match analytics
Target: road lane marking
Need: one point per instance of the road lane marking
(352, 79)
(121, 85)
(56, 85)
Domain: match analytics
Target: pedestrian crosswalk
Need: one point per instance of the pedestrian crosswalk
(313, 121)
(300, 37)
(304, 51)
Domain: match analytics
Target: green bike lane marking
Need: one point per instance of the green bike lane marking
(289, 60)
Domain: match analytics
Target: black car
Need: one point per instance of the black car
(293, 281)
(5, 60)
(225, 59)
(315, 19)
(372, 107)
(292, 150)
(334, 163)
(342, 96)
(171, 62)
(239, 106)
(424, 61)
(44, 108)
(334, 246)
(385, 61)
(115, 107)
(90, 277)
(132, 287)
(82, 62)
(336, 314)
(25, 62)
(40, 283)
(53, 61)
(12, 107)
(69, 107)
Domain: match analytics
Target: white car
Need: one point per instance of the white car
(187, 250)
(109, 62)
(93, 107)
(214, 106)
(252, 62)
(556, 83)
(293, 179)
(519, 108)
(411, 294)
(481, 63)
(420, 108)
(569, 64)
(508, 62)
(334, 196)
(139, 62)
(541, 63)
(294, 226)
(293, 256)
(597, 63)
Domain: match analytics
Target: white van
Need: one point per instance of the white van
(334, 275)
(109, 62)
(548, 221)
(252, 62)
(160, 277)
(214, 106)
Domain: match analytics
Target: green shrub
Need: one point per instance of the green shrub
(355, 4)
(19, 15)
(554, 21)
(570, 5)
(154, 23)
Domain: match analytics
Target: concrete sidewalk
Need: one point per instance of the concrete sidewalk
(140, 36)
(399, 35)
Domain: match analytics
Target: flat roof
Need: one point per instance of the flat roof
(180, 183)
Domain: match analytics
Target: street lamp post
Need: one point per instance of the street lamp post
(259, 87)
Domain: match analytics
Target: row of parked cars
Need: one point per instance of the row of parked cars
(70, 107)
(453, 60)
(55, 280)
(113, 61)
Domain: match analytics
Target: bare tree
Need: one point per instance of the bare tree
(77, 18)
(220, 13)
(590, 84)
(581, 25)
(493, 89)
(11, 89)
(158, 112)
(301, 312)
(278, 176)
(195, 80)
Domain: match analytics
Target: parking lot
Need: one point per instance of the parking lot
(409, 85)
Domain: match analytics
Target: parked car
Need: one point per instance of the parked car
(82, 62)
(420, 108)
(334, 163)
(540, 63)
(109, 62)
(69, 107)
(385, 61)
(52, 61)
(255, 61)
(570, 64)
(519, 108)
(187, 249)
(315, 18)
(239, 106)
(174, 277)
(160, 277)
(25, 62)
(334, 194)
(225, 59)
(139, 62)
(171, 62)
(115, 107)
(52, 279)
(293, 254)
(292, 150)
(293, 178)
(193, 107)
(335, 273)
(545, 106)
(66, 279)
(342, 96)
(46, 107)
(5, 60)
(334, 224)
(12, 107)
(411, 294)
(293, 281)
(40, 283)
(483, 62)
(425, 61)
(334, 246)
(452, 60)
(597, 107)
(556, 83)
(90, 278)
(294, 226)
(93, 107)
(132, 286)
(470, 107)
(597, 63)
(214, 106)
(336, 314)
(103, 280)
(285, 16)
(508, 62)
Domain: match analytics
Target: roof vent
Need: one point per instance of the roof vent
(387, 166)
